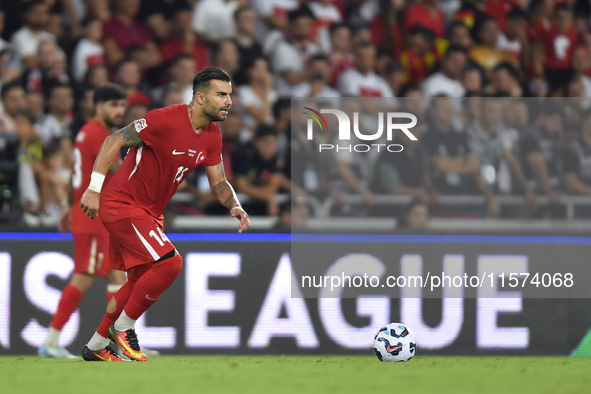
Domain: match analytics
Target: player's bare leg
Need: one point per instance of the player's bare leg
(69, 301)
(147, 290)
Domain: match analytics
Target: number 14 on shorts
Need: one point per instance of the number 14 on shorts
(160, 237)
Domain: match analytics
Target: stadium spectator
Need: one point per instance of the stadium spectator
(293, 216)
(340, 57)
(51, 70)
(96, 76)
(26, 39)
(123, 31)
(275, 12)
(490, 139)
(505, 81)
(255, 171)
(557, 44)
(129, 77)
(472, 81)
(84, 105)
(171, 96)
(581, 65)
(353, 172)
(246, 43)
(416, 216)
(459, 35)
(182, 40)
(290, 56)
(89, 52)
(513, 40)
(35, 104)
(405, 173)
(486, 54)
(517, 119)
(214, 19)
(539, 150)
(455, 168)
(326, 14)
(386, 32)
(225, 55)
(257, 98)
(316, 84)
(447, 80)
(394, 75)
(423, 52)
(576, 161)
(30, 156)
(362, 81)
(425, 13)
(181, 72)
(53, 129)
(13, 102)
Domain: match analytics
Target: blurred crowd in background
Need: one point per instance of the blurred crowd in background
(510, 61)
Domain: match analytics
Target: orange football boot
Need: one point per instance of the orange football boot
(106, 354)
(128, 343)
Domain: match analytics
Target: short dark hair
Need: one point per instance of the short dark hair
(420, 30)
(29, 5)
(319, 57)
(281, 105)
(336, 26)
(205, 76)
(300, 12)
(240, 11)
(7, 88)
(264, 130)
(108, 92)
(88, 20)
(516, 13)
(455, 48)
(510, 68)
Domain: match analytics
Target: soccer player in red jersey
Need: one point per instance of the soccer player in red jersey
(91, 240)
(165, 146)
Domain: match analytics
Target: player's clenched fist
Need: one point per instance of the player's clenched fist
(90, 203)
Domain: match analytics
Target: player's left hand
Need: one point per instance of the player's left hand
(241, 215)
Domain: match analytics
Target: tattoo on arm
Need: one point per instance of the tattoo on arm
(223, 191)
(130, 136)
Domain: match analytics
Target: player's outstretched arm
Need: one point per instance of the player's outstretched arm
(225, 194)
(125, 137)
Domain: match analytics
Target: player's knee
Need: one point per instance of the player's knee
(170, 267)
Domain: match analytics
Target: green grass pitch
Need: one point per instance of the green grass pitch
(298, 374)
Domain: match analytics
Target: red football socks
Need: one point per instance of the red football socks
(151, 285)
(121, 297)
(69, 301)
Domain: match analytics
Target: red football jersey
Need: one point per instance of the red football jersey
(86, 148)
(558, 48)
(151, 174)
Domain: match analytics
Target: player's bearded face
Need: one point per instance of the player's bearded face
(113, 112)
(218, 101)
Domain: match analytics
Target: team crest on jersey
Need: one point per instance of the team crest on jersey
(200, 157)
(140, 124)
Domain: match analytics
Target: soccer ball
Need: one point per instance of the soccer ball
(394, 342)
